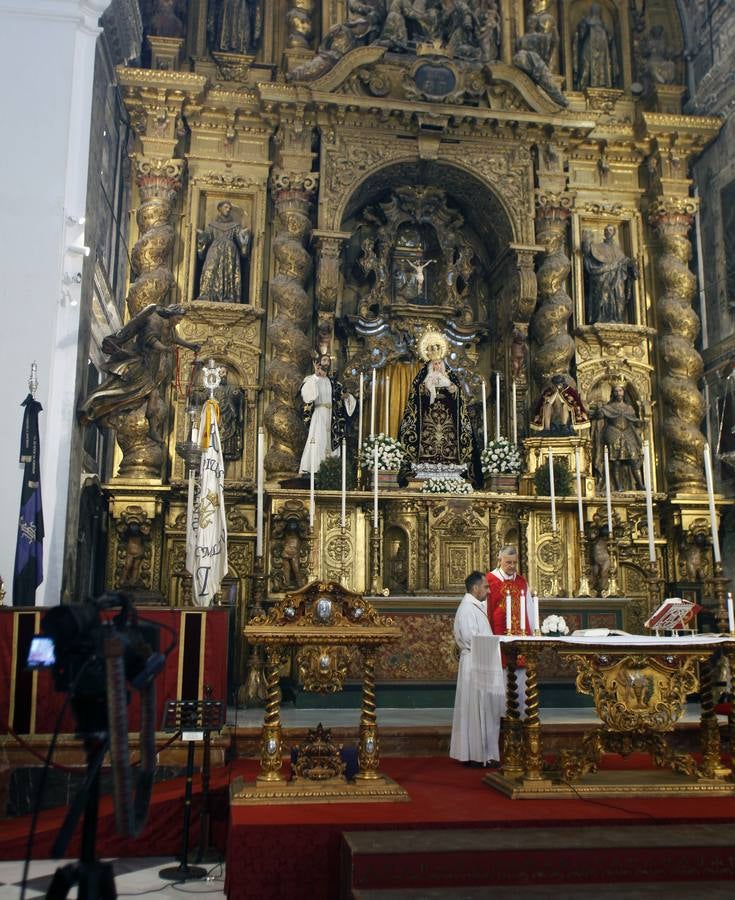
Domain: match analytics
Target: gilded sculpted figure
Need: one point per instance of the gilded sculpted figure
(610, 276)
(435, 427)
(406, 21)
(489, 31)
(139, 369)
(534, 51)
(135, 534)
(559, 408)
(165, 22)
(658, 65)
(290, 555)
(594, 52)
(234, 26)
(616, 427)
(601, 563)
(220, 245)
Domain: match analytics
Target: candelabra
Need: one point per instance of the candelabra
(719, 585)
(584, 570)
(655, 585)
(613, 586)
(312, 560)
(556, 589)
(342, 554)
(253, 692)
(375, 567)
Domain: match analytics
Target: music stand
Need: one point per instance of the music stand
(194, 720)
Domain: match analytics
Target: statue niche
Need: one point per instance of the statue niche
(413, 253)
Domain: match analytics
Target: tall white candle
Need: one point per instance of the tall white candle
(312, 464)
(647, 481)
(514, 412)
(373, 399)
(536, 616)
(484, 414)
(711, 498)
(260, 482)
(359, 415)
(343, 518)
(375, 486)
(730, 613)
(497, 406)
(608, 498)
(387, 404)
(578, 471)
(523, 612)
(508, 619)
(552, 489)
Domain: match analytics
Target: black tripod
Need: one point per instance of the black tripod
(95, 878)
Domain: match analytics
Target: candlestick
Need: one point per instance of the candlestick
(343, 517)
(373, 398)
(523, 612)
(552, 489)
(578, 471)
(260, 481)
(730, 613)
(375, 486)
(312, 463)
(387, 404)
(608, 498)
(647, 480)
(497, 406)
(514, 412)
(484, 414)
(508, 619)
(359, 416)
(536, 615)
(711, 498)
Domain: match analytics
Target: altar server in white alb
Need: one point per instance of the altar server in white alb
(326, 408)
(477, 707)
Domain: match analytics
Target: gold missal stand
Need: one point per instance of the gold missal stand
(324, 622)
(640, 690)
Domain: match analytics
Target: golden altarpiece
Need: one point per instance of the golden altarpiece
(513, 176)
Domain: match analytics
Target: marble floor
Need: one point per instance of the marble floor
(133, 878)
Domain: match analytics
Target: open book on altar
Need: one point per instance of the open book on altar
(598, 632)
(675, 612)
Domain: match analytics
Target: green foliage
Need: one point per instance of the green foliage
(563, 480)
(329, 475)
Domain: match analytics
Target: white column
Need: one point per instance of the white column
(43, 180)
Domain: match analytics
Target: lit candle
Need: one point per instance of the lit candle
(343, 520)
(387, 404)
(608, 498)
(514, 412)
(312, 463)
(359, 416)
(523, 612)
(497, 406)
(484, 414)
(508, 619)
(711, 498)
(375, 486)
(260, 481)
(372, 404)
(730, 613)
(649, 500)
(552, 490)
(580, 508)
(536, 616)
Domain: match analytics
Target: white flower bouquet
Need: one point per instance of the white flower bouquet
(501, 458)
(553, 626)
(446, 486)
(390, 453)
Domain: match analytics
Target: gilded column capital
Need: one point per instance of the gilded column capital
(158, 178)
(297, 182)
(680, 211)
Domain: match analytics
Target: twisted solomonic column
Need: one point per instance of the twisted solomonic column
(681, 365)
(555, 346)
(288, 330)
(159, 182)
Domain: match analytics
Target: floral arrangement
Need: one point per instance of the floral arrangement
(446, 486)
(501, 458)
(329, 475)
(554, 625)
(563, 479)
(390, 452)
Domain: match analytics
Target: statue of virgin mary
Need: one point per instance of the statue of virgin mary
(435, 428)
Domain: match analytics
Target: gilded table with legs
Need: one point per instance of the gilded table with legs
(640, 686)
(324, 623)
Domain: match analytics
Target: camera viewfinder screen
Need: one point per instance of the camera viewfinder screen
(41, 653)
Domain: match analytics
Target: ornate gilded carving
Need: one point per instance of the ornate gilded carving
(299, 23)
(318, 757)
(683, 404)
(287, 330)
(555, 347)
(322, 669)
(133, 569)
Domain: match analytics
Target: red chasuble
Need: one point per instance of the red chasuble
(496, 600)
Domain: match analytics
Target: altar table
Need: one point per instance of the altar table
(639, 685)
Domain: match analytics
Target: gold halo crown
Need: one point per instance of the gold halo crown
(432, 337)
